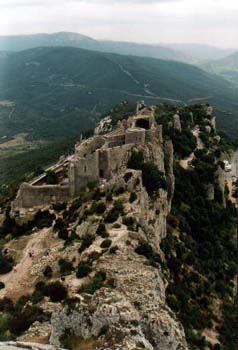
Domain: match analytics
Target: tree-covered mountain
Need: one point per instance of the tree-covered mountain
(190, 53)
(56, 92)
(226, 67)
(24, 42)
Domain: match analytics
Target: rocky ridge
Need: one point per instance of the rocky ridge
(116, 279)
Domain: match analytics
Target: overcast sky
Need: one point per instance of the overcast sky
(212, 22)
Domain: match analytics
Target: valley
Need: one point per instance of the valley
(53, 103)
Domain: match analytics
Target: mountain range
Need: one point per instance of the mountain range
(190, 53)
(51, 87)
(226, 67)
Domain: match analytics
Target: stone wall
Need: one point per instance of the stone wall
(89, 146)
(32, 196)
(99, 157)
(82, 171)
(135, 135)
(118, 157)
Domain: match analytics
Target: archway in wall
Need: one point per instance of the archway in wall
(143, 123)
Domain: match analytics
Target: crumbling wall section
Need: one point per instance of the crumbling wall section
(118, 157)
(135, 135)
(89, 146)
(33, 196)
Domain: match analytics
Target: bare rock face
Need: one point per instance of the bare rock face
(177, 123)
(131, 316)
(169, 168)
(40, 331)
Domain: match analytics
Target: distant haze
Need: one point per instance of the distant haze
(213, 22)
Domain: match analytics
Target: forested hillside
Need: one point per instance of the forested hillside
(56, 92)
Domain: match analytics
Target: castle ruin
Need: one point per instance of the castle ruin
(96, 159)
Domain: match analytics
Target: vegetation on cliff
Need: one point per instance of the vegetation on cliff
(200, 248)
(124, 220)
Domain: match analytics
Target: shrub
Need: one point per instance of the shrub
(106, 243)
(63, 234)
(173, 221)
(146, 250)
(84, 269)
(128, 176)
(56, 291)
(92, 185)
(76, 204)
(87, 240)
(119, 191)
(118, 205)
(136, 160)
(116, 225)
(128, 220)
(37, 297)
(109, 197)
(59, 224)
(101, 230)
(152, 178)
(6, 305)
(59, 206)
(51, 178)
(93, 256)
(101, 207)
(43, 219)
(41, 287)
(22, 321)
(113, 250)
(6, 264)
(133, 197)
(48, 272)
(2, 285)
(98, 195)
(96, 283)
(65, 266)
(112, 216)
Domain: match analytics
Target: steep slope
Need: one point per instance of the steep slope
(54, 86)
(99, 271)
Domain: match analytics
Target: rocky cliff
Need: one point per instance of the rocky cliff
(106, 270)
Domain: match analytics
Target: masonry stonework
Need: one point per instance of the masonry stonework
(97, 158)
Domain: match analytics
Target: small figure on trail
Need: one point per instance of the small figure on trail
(31, 254)
(48, 251)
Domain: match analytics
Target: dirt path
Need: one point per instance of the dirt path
(20, 280)
(185, 162)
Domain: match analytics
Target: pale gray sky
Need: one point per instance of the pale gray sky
(212, 22)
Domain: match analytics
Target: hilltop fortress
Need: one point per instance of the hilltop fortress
(98, 158)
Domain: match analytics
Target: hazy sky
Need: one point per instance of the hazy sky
(199, 21)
